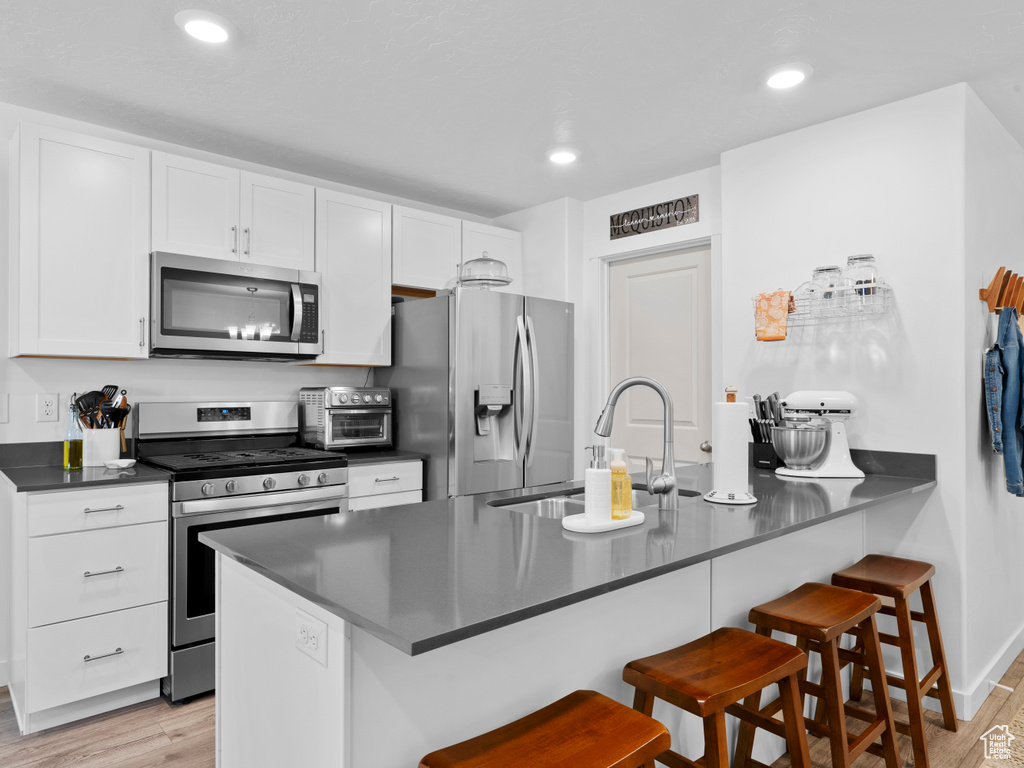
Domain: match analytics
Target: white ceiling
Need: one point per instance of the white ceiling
(454, 102)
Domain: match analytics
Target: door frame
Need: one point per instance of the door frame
(714, 243)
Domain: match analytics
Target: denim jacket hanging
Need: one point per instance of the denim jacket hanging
(1003, 375)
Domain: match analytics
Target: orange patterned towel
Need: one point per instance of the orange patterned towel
(770, 311)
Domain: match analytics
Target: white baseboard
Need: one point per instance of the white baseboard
(982, 685)
(969, 701)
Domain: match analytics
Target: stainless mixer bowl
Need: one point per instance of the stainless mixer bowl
(800, 444)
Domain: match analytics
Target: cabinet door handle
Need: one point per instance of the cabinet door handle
(115, 652)
(119, 569)
(234, 239)
(385, 479)
(116, 508)
(248, 240)
(142, 332)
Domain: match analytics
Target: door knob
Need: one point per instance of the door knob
(706, 446)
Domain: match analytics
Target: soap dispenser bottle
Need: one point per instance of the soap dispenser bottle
(597, 480)
(622, 486)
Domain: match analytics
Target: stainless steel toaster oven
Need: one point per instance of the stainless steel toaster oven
(345, 417)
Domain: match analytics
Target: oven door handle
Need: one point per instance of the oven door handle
(261, 501)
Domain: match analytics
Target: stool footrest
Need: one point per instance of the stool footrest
(852, 656)
(860, 714)
(888, 610)
(862, 741)
(887, 639)
(673, 759)
(929, 680)
(760, 719)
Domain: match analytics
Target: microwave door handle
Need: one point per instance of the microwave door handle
(296, 312)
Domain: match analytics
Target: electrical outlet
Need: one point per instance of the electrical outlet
(311, 637)
(46, 407)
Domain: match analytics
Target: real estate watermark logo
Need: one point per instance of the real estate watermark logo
(997, 742)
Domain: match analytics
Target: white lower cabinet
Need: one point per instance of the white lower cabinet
(89, 600)
(385, 485)
(76, 660)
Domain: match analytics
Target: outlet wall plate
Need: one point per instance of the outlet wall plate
(46, 407)
(311, 637)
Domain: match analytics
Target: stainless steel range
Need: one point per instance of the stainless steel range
(231, 464)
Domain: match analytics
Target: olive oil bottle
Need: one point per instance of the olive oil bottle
(73, 441)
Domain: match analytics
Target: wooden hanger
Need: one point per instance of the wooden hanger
(1005, 290)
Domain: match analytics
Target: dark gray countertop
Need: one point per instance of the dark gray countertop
(382, 457)
(51, 478)
(422, 576)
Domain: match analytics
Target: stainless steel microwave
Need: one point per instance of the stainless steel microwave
(212, 308)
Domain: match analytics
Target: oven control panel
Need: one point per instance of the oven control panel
(358, 397)
(277, 481)
(224, 414)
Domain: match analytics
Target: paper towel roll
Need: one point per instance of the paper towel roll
(730, 433)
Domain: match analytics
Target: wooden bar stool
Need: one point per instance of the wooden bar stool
(898, 579)
(708, 678)
(582, 730)
(819, 614)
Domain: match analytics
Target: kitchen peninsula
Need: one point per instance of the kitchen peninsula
(371, 638)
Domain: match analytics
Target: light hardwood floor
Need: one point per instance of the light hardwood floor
(963, 749)
(153, 733)
(156, 733)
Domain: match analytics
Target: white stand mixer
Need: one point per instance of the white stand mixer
(837, 408)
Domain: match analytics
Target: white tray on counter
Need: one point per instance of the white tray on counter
(577, 523)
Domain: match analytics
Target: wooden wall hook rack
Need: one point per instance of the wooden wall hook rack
(1005, 290)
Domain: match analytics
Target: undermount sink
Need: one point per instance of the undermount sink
(571, 503)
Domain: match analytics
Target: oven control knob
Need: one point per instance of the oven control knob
(379, 398)
(343, 398)
(231, 486)
(207, 489)
(269, 483)
(355, 398)
(303, 479)
(322, 478)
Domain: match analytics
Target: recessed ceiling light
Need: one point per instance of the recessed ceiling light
(787, 75)
(562, 156)
(203, 25)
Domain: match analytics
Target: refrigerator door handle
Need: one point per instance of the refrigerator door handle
(531, 436)
(522, 406)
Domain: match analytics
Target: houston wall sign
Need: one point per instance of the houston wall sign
(674, 213)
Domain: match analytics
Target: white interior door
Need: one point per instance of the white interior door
(660, 315)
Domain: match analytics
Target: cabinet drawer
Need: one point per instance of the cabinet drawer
(59, 590)
(384, 500)
(58, 673)
(104, 507)
(373, 479)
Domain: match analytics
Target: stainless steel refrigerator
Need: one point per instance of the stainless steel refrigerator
(483, 384)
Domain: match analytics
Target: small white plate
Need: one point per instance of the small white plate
(119, 463)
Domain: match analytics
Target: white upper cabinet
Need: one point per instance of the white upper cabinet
(427, 247)
(277, 222)
(353, 257)
(210, 210)
(79, 266)
(195, 207)
(502, 244)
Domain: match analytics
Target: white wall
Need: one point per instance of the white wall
(892, 181)
(994, 520)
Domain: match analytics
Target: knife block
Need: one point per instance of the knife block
(763, 456)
